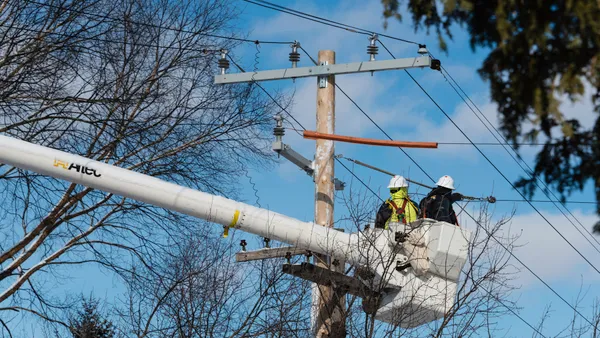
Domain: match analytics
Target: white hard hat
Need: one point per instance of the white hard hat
(446, 182)
(398, 182)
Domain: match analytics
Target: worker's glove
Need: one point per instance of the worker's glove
(491, 199)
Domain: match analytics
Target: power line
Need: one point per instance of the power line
(369, 117)
(426, 186)
(374, 193)
(322, 20)
(509, 182)
(473, 218)
(513, 312)
(179, 30)
(545, 201)
(545, 188)
(512, 254)
(306, 16)
(96, 38)
(470, 143)
(301, 126)
(495, 144)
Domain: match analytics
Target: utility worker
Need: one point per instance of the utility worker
(438, 203)
(399, 207)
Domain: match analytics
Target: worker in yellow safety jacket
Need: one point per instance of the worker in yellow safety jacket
(399, 207)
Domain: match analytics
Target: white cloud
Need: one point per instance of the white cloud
(547, 253)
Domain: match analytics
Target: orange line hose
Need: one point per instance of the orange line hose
(404, 144)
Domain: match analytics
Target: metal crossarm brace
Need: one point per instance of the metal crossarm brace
(334, 69)
(294, 157)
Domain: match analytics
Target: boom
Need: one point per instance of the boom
(151, 190)
(407, 301)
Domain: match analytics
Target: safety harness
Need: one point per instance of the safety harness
(399, 211)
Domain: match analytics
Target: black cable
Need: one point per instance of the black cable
(544, 201)
(503, 176)
(179, 30)
(95, 38)
(493, 144)
(369, 117)
(529, 202)
(528, 173)
(307, 17)
(360, 180)
(268, 94)
(301, 126)
(477, 223)
(322, 20)
(545, 188)
(513, 312)
(492, 164)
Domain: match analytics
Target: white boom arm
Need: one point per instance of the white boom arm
(408, 301)
(151, 190)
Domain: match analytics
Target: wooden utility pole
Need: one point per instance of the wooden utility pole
(330, 319)
(329, 311)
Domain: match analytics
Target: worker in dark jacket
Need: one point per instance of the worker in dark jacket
(399, 207)
(438, 203)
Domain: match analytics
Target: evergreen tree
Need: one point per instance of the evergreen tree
(89, 323)
(540, 52)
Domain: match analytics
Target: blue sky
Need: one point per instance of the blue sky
(400, 107)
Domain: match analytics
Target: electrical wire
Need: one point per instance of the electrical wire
(307, 16)
(529, 202)
(369, 117)
(477, 223)
(544, 201)
(179, 30)
(512, 254)
(527, 171)
(189, 49)
(267, 93)
(493, 144)
(377, 195)
(303, 128)
(322, 20)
